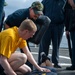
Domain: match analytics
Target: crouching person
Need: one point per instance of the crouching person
(10, 40)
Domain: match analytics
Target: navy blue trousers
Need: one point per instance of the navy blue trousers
(53, 34)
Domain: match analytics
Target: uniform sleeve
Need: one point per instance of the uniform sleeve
(23, 44)
(6, 46)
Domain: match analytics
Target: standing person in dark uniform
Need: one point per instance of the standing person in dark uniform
(33, 12)
(67, 19)
(54, 9)
(70, 28)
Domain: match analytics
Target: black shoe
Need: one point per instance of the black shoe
(70, 68)
(48, 58)
(44, 57)
(57, 66)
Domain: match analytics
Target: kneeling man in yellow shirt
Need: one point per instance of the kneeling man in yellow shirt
(10, 40)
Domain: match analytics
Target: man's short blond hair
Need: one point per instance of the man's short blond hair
(28, 24)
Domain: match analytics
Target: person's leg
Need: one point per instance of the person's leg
(55, 44)
(17, 62)
(42, 24)
(73, 48)
(43, 20)
(44, 44)
(72, 67)
(15, 58)
(57, 37)
(24, 69)
(60, 33)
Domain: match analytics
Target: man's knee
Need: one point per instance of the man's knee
(23, 58)
(45, 19)
(29, 69)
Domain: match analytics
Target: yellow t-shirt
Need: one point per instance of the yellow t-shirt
(10, 41)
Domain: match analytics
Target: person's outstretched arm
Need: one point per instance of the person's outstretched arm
(32, 60)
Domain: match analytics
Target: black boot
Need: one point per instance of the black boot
(70, 68)
(44, 57)
(57, 66)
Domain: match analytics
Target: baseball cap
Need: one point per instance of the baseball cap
(37, 7)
